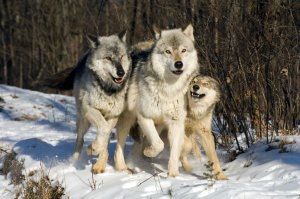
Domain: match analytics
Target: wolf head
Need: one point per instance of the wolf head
(204, 89)
(174, 53)
(109, 61)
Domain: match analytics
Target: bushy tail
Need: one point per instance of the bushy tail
(64, 80)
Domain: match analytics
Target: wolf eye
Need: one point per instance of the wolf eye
(183, 50)
(168, 52)
(108, 58)
(205, 84)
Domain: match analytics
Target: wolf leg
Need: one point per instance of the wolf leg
(101, 142)
(149, 130)
(186, 149)
(95, 117)
(82, 126)
(125, 122)
(176, 137)
(196, 150)
(208, 144)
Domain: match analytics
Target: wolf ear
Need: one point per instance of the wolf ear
(93, 41)
(189, 31)
(156, 31)
(123, 36)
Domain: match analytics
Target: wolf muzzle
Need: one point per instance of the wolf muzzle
(178, 65)
(120, 70)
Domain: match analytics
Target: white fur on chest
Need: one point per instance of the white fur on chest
(156, 103)
(108, 105)
(200, 109)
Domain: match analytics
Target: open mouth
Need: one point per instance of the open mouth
(118, 80)
(196, 95)
(177, 72)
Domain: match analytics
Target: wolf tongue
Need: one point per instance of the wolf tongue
(118, 80)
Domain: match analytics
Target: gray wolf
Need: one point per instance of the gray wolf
(202, 97)
(156, 95)
(100, 81)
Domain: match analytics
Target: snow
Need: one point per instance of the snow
(40, 128)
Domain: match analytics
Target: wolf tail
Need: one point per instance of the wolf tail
(64, 80)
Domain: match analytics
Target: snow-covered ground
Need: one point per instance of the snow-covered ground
(40, 128)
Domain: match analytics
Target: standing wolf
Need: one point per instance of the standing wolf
(202, 97)
(156, 95)
(100, 85)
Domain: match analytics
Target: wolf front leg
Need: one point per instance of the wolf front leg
(207, 141)
(149, 130)
(176, 139)
(95, 117)
(102, 141)
(125, 122)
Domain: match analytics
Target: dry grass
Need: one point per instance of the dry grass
(12, 166)
(39, 185)
(35, 185)
(285, 145)
(27, 117)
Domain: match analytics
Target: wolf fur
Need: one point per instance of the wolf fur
(202, 97)
(156, 95)
(100, 85)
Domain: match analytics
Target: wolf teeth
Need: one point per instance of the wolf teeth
(118, 80)
(196, 95)
(177, 72)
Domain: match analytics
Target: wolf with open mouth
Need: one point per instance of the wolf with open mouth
(202, 97)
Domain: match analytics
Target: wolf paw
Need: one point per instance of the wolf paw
(173, 172)
(221, 176)
(187, 167)
(76, 156)
(91, 150)
(98, 168)
(153, 151)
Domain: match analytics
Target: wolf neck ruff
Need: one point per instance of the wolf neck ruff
(108, 88)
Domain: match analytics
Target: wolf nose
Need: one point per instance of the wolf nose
(178, 64)
(196, 87)
(120, 73)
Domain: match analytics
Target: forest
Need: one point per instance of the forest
(250, 47)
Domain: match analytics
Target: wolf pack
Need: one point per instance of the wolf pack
(154, 87)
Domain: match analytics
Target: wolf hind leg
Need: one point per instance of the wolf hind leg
(149, 130)
(207, 141)
(125, 122)
(82, 125)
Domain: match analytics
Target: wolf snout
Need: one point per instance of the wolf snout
(120, 72)
(178, 64)
(196, 87)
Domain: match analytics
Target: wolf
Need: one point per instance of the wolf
(156, 95)
(203, 94)
(100, 82)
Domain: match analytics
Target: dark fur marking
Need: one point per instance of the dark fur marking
(108, 88)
